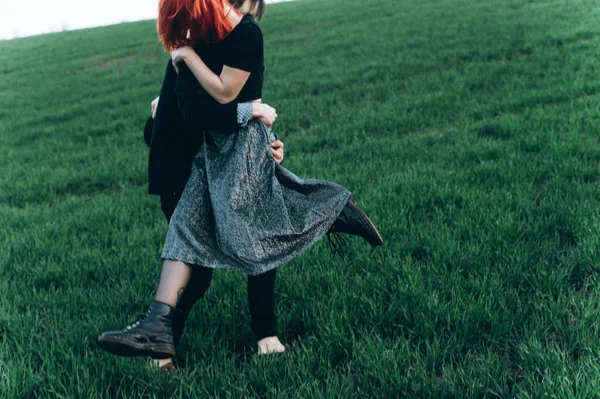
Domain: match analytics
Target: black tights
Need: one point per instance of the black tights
(261, 288)
(261, 291)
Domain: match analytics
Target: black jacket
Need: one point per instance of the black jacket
(174, 136)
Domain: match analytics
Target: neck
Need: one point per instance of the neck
(233, 16)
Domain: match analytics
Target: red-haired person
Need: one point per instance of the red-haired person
(240, 209)
(173, 141)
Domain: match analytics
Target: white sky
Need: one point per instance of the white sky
(19, 18)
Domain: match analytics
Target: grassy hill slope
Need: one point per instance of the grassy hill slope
(467, 130)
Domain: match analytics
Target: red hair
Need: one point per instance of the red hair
(206, 21)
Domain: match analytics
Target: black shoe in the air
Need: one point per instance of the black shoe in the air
(352, 220)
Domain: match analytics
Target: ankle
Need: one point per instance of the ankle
(270, 345)
(165, 300)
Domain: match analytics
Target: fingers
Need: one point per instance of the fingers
(278, 159)
(277, 154)
(277, 150)
(268, 114)
(266, 121)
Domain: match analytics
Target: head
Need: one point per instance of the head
(192, 21)
(254, 7)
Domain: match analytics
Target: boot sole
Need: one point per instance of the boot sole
(131, 349)
(367, 221)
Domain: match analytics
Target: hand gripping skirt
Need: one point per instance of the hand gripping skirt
(241, 210)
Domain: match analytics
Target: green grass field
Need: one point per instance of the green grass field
(468, 131)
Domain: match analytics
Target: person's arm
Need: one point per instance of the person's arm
(242, 54)
(224, 88)
(199, 111)
(244, 114)
(200, 115)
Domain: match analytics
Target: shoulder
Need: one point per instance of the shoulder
(244, 46)
(247, 29)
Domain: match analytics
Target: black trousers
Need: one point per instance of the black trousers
(261, 288)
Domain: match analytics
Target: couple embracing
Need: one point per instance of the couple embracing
(216, 165)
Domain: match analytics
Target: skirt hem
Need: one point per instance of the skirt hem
(193, 262)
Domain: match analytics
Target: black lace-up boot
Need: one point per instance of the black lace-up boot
(150, 335)
(352, 220)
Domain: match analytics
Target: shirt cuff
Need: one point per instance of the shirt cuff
(244, 114)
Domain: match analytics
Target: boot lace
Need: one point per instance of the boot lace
(137, 322)
(337, 244)
(139, 319)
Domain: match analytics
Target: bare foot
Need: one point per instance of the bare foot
(270, 345)
(165, 365)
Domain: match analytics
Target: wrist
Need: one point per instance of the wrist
(188, 55)
(256, 110)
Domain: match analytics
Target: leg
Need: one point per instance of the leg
(181, 272)
(199, 281)
(174, 278)
(152, 334)
(196, 288)
(263, 321)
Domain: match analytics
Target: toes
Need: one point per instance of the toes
(269, 349)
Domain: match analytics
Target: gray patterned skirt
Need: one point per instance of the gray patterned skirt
(241, 210)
